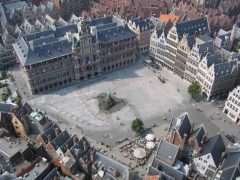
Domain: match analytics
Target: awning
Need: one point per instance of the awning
(139, 153)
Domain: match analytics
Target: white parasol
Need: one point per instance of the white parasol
(149, 137)
(139, 153)
(150, 145)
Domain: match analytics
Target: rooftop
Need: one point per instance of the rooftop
(39, 171)
(199, 134)
(78, 149)
(7, 107)
(230, 166)
(215, 146)
(106, 22)
(36, 115)
(167, 152)
(50, 133)
(167, 172)
(141, 23)
(193, 27)
(202, 39)
(60, 139)
(11, 146)
(112, 169)
(225, 68)
(183, 125)
(168, 17)
(115, 34)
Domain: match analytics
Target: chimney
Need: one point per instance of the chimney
(115, 173)
(85, 146)
(67, 146)
(172, 136)
(204, 138)
(75, 139)
(192, 127)
(92, 153)
(78, 152)
(199, 151)
(184, 139)
(49, 138)
(8, 138)
(57, 132)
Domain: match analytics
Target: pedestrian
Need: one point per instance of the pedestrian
(169, 110)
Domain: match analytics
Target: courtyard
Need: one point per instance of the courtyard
(76, 107)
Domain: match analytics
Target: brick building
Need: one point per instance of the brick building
(68, 7)
(180, 131)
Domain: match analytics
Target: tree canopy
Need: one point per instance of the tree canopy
(194, 89)
(137, 125)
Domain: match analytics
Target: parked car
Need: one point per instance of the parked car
(230, 138)
(154, 125)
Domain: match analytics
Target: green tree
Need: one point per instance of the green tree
(194, 89)
(137, 125)
(236, 46)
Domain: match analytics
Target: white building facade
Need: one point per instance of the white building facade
(232, 105)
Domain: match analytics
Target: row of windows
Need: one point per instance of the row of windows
(35, 71)
(235, 101)
(232, 107)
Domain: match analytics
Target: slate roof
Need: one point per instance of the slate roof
(80, 146)
(38, 171)
(52, 174)
(153, 172)
(214, 146)
(101, 21)
(167, 152)
(115, 34)
(7, 107)
(41, 53)
(213, 59)
(199, 134)
(183, 125)
(191, 41)
(105, 22)
(50, 131)
(47, 45)
(158, 167)
(230, 166)
(225, 68)
(193, 27)
(109, 165)
(205, 44)
(10, 148)
(59, 32)
(8, 9)
(157, 33)
(60, 139)
(68, 144)
(221, 38)
(142, 23)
